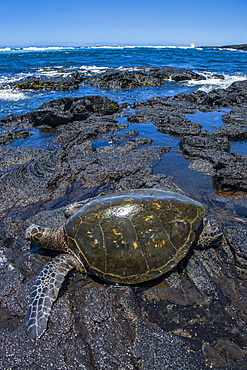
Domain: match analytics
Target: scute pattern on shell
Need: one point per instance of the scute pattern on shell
(133, 236)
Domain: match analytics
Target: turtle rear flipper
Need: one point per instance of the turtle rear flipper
(44, 293)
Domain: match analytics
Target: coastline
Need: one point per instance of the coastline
(41, 48)
(242, 47)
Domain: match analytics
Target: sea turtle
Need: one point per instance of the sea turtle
(126, 237)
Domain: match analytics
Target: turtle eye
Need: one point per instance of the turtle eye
(36, 236)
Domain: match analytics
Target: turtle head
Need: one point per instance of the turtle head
(35, 233)
(211, 232)
(47, 238)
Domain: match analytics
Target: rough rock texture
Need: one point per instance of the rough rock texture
(10, 136)
(235, 94)
(167, 116)
(193, 317)
(227, 169)
(209, 152)
(62, 83)
(237, 116)
(232, 132)
(65, 110)
(116, 79)
(111, 78)
(231, 173)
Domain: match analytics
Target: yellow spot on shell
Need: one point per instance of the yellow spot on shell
(159, 244)
(115, 232)
(135, 245)
(95, 242)
(148, 218)
(157, 205)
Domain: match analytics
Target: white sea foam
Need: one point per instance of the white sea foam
(192, 46)
(34, 48)
(214, 83)
(93, 69)
(5, 49)
(12, 95)
(6, 79)
(117, 47)
(57, 71)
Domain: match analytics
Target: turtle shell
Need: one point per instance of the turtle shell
(133, 236)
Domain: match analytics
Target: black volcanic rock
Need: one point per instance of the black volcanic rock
(236, 47)
(61, 111)
(10, 136)
(62, 83)
(235, 94)
(232, 132)
(203, 147)
(116, 79)
(193, 317)
(230, 173)
(110, 78)
(237, 116)
(213, 156)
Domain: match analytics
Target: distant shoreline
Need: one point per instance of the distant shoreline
(236, 47)
(116, 46)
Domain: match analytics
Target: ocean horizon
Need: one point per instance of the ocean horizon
(106, 45)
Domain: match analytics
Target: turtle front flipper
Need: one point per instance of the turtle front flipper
(45, 291)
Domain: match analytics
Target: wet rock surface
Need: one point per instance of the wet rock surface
(237, 116)
(234, 95)
(193, 317)
(61, 111)
(205, 149)
(116, 79)
(12, 135)
(62, 83)
(112, 78)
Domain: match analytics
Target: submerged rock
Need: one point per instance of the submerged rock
(10, 136)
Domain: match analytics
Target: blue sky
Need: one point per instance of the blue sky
(133, 22)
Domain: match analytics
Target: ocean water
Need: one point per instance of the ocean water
(17, 63)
